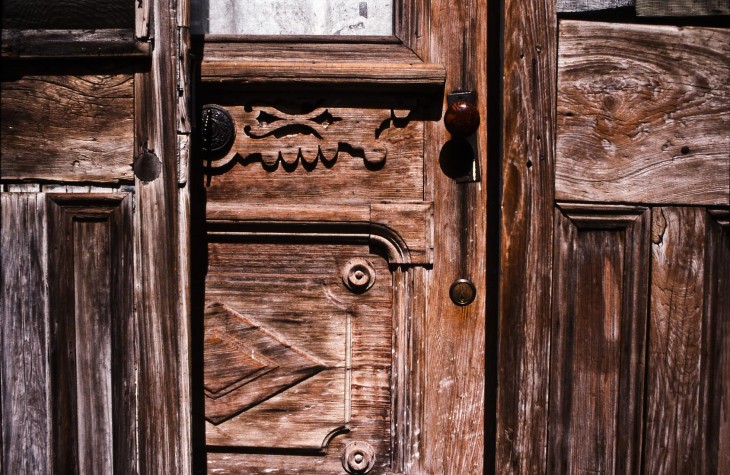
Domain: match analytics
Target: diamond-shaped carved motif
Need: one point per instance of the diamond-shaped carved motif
(245, 364)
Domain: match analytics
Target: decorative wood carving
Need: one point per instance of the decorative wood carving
(280, 138)
(246, 364)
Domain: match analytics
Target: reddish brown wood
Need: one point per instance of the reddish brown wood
(67, 128)
(526, 235)
(600, 298)
(649, 126)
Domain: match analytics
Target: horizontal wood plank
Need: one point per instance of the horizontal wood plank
(67, 128)
(682, 7)
(25, 44)
(641, 110)
(565, 6)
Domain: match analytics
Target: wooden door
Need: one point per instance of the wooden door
(93, 210)
(334, 224)
(614, 357)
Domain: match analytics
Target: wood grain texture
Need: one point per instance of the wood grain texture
(530, 51)
(67, 128)
(662, 8)
(306, 64)
(565, 6)
(111, 43)
(452, 429)
(600, 299)
(402, 231)
(324, 149)
(164, 413)
(93, 355)
(23, 334)
(688, 344)
(643, 114)
(306, 307)
(715, 390)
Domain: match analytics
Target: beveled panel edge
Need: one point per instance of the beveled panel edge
(103, 43)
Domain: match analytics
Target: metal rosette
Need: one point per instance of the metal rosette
(218, 133)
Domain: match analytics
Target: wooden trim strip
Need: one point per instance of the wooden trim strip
(108, 43)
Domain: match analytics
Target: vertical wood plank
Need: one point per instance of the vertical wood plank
(530, 29)
(598, 333)
(92, 341)
(23, 334)
(678, 277)
(164, 408)
(715, 373)
(453, 428)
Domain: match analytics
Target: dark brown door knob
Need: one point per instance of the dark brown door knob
(461, 119)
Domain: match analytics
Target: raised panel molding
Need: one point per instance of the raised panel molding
(600, 290)
(92, 332)
(402, 231)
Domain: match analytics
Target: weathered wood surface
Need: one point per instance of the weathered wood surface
(403, 231)
(92, 349)
(67, 128)
(305, 64)
(682, 7)
(297, 302)
(25, 44)
(526, 234)
(299, 153)
(688, 344)
(600, 298)
(68, 14)
(23, 334)
(165, 408)
(452, 426)
(643, 114)
(566, 6)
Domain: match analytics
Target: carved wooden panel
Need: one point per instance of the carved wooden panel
(68, 128)
(69, 369)
(650, 126)
(312, 358)
(298, 150)
(598, 333)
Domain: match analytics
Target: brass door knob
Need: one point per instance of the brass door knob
(461, 119)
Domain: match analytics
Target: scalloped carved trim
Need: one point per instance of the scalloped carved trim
(312, 135)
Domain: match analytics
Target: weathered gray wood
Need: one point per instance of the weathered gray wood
(682, 7)
(643, 114)
(526, 234)
(67, 128)
(566, 6)
(93, 356)
(162, 332)
(600, 298)
(23, 334)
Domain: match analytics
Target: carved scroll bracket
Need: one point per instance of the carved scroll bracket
(402, 232)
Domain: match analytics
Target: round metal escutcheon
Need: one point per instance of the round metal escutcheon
(218, 131)
(462, 292)
(147, 166)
